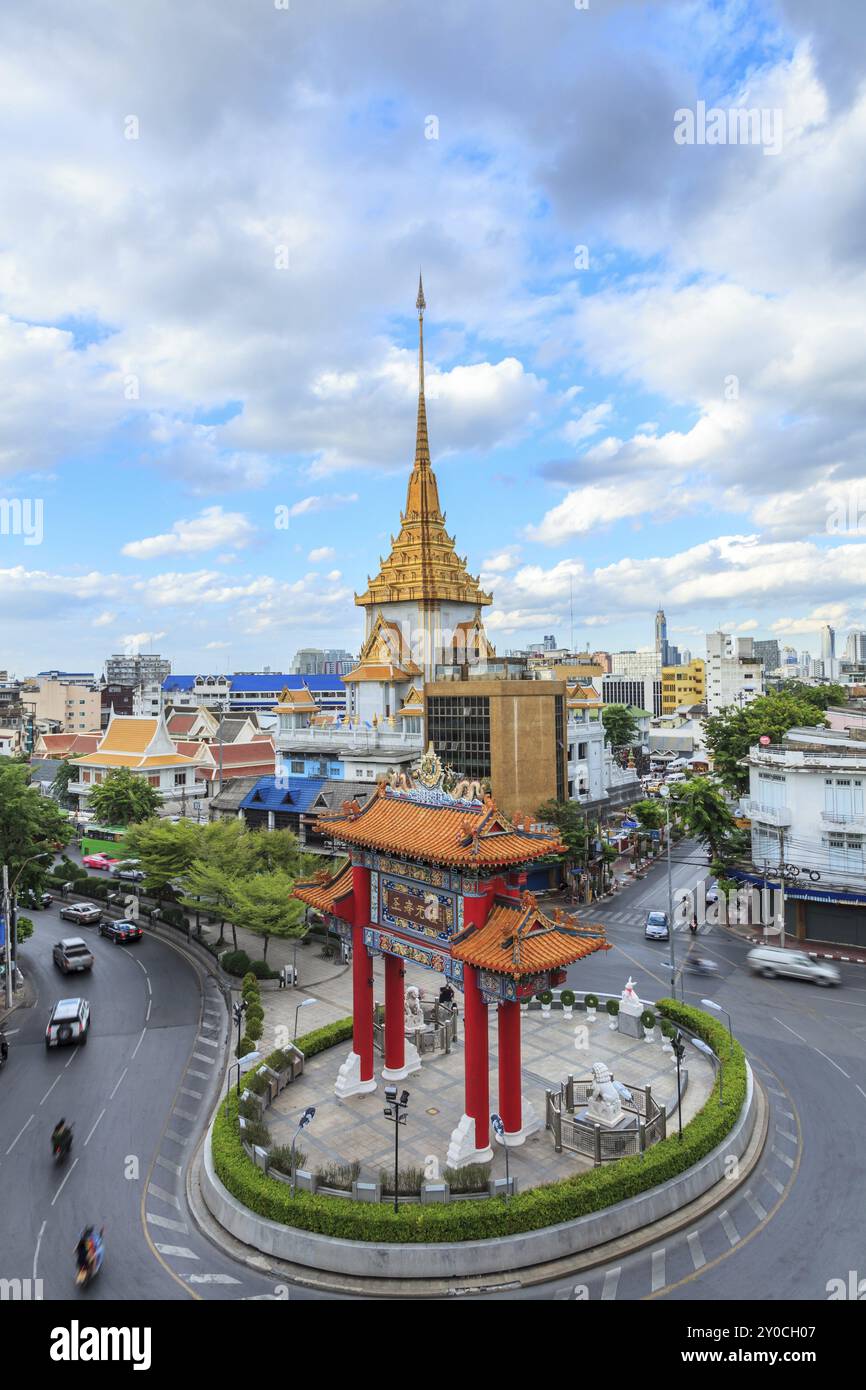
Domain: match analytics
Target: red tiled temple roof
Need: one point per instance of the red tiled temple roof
(518, 939)
(474, 836)
(325, 894)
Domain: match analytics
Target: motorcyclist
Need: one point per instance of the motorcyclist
(4, 1048)
(85, 1250)
(61, 1135)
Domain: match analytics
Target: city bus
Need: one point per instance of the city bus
(104, 839)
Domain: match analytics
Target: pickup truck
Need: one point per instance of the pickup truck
(73, 954)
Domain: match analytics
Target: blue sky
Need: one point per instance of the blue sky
(214, 319)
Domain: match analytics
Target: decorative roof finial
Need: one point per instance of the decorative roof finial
(420, 302)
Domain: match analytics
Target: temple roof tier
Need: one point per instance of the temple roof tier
(518, 939)
(328, 894)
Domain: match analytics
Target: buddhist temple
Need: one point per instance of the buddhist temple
(438, 878)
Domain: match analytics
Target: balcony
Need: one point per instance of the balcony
(336, 740)
(779, 816)
(856, 820)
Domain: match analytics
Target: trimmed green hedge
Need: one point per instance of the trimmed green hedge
(467, 1220)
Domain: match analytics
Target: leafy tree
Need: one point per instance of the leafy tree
(275, 849)
(651, 814)
(620, 726)
(23, 929)
(821, 696)
(265, 906)
(209, 888)
(227, 844)
(29, 824)
(732, 732)
(65, 774)
(705, 812)
(571, 824)
(122, 798)
(167, 850)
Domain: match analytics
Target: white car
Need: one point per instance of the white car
(69, 1023)
(771, 961)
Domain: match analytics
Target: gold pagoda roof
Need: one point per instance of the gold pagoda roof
(423, 564)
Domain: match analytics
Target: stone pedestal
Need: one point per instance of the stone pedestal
(462, 1148)
(349, 1081)
(630, 1024)
(411, 1063)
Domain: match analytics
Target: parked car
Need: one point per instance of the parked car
(98, 861)
(656, 928)
(86, 913)
(712, 893)
(69, 1023)
(770, 961)
(29, 898)
(120, 932)
(128, 874)
(72, 954)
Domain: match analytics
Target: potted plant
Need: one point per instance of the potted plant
(648, 1019)
(524, 1006)
(591, 1003)
(545, 999)
(667, 1030)
(566, 999)
(612, 1007)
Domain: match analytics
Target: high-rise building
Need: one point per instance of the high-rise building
(318, 661)
(828, 649)
(661, 644)
(639, 665)
(735, 676)
(643, 692)
(855, 647)
(683, 685)
(768, 652)
(140, 669)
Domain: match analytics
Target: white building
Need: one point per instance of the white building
(645, 664)
(594, 776)
(735, 676)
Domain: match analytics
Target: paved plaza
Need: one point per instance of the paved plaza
(552, 1048)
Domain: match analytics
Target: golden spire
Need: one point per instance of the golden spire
(423, 564)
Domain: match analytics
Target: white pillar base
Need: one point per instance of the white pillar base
(349, 1081)
(412, 1063)
(462, 1148)
(531, 1124)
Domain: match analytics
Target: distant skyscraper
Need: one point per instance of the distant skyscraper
(855, 647)
(828, 643)
(768, 652)
(662, 637)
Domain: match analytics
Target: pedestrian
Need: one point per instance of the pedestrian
(283, 973)
(693, 924)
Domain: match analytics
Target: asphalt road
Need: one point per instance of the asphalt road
(799, 1221)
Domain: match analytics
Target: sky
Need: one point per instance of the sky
(644, 328)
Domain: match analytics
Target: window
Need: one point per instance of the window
(180, 779)
(582, 750)
(297, 765)
(153, 779)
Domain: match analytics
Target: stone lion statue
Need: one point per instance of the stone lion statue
(604, 1104)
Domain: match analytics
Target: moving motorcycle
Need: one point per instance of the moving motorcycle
(61, 1141)
(89, 1254)
(701, 966)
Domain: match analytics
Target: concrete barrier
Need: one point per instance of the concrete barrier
(474, 1257)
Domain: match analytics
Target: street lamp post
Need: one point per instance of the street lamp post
(708, 1052)
(711, 1004)
(665, 791)
(9, 916)
(679, 1048)
(395, 1111)
(303, 1005)
(238, 1010)
(302, 1124)
(499, 1131)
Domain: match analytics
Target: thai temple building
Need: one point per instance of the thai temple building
(422, 618)
(439, 879)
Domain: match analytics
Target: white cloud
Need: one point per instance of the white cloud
(104, 619)
(212, 527)
(588, 423)
(322, 503)
(322, 552)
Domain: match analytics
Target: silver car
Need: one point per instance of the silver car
(771, 961)
(656, 928)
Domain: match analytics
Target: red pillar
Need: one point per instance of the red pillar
(362, 974)
(476, 1057)
(510, 1102)
(395, 1036)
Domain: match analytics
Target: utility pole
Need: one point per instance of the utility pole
(673, 963)
(7, 937)
(782, 886)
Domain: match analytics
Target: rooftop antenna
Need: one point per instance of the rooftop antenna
(571, 607)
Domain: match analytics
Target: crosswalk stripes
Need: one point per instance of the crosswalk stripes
(179, 1252)
(611, 1280)
(658, 1270)
(218, 1279)
(167, 1163)
(162, 1195)
(785, 1158)
(777, 1187)
(784, 1134)
(753, 1202)
(167, 1222)
(729, 1228)
(699, 1259)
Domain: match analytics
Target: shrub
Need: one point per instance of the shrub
(473, 1178)
(257, 1133)
(545, 997)
(409, 1182)
(612, 1007)
(258, 1083)
(94, 888)
(254, 1028)
(244, 1046)
(254, 1009)
(235, 962)
(248, 1110)
(249, 979)
(648, 1019)
(339, 1175)
(280, 1157)
(667, 1028)
(23, 928)
(591, 1001)
(262, 970)
(566, 998)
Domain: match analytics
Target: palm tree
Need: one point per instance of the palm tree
(705, 812)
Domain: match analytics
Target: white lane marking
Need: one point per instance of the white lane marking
(167, 1163)
(611, 1281)
(699, 1259)
(774, 1183)
(792, 1030)
(10, 1032)
(783, 1134)
(185, 1091)
(860, 1089)
(19, 1134)
(117, 1084)
(832, 1063)
(138, 1044)
(72, 1058)
(784, 1157)
(50, 1089)
(658, 1269)
(215, 1279)
(179, 1251)
(167, 1222)
(729, 1228)
(208, 1042)
(65, 1181)
(203, 1057)
(202, 1075)
(184, 1114)
(175, 1137)
(753, 1202)
(163, 1196)
(38, 1244)
(788, 1114)
(90, 1135)
(147, 1015)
